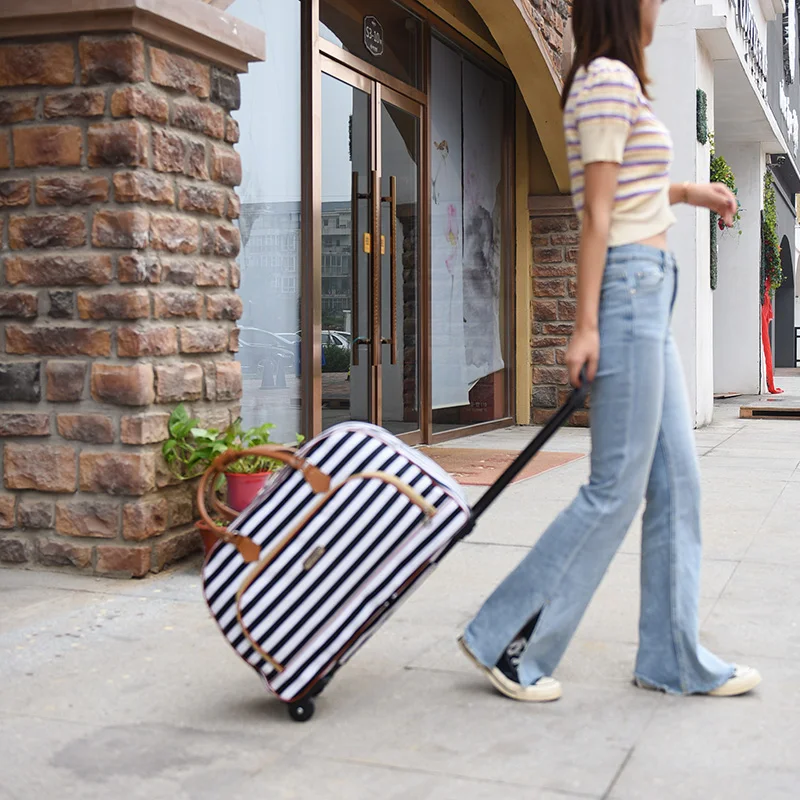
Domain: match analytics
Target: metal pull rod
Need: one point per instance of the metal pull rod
(392, 201)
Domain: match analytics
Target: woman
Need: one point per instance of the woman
(642, 440)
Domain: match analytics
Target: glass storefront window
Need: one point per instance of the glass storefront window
(380, 32)
(468, 344)
(270, 123)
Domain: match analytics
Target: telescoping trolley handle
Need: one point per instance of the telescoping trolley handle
(574, 402)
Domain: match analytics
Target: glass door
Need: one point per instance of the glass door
(370, 193)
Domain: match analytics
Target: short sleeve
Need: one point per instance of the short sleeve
(607, 106)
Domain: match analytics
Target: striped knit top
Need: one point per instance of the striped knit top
(608, 118)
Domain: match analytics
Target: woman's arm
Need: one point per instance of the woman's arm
(601, 180)
(714, 196)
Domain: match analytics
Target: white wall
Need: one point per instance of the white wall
(677, 65)
(737, 320)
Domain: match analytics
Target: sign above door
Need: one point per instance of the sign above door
(373, 36)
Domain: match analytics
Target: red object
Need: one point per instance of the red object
(766, 317)
(242, 489)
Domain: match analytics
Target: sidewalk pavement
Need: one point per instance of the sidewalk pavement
(127, 689)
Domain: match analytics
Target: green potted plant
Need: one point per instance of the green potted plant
(191, 448)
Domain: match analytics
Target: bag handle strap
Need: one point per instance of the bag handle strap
(314, 476)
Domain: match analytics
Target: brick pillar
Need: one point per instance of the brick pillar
(117, 298)
(554, 228)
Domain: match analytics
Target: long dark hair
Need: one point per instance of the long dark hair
(610, 28)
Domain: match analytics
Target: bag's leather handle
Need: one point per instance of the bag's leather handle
(315, 477)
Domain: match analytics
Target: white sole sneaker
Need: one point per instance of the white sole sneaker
(744, 680)
(545, 690)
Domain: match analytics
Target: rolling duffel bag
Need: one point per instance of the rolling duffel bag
(302, 578)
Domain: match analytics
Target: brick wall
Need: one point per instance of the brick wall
(117, 293)
(554, 228)
(550, 17)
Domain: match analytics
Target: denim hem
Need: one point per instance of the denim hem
(703, 689)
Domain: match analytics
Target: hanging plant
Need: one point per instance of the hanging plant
(721, 172)
(771, 269)
(702, 117)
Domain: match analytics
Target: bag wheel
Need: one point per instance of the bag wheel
(302, 711)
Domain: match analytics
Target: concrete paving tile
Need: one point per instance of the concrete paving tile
(50, 758)
(449, 724)
(757, 613)
(777, 541)
(721, 748)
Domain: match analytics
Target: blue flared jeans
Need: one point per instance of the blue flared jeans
(642, 448)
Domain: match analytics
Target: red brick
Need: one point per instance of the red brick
(62, 304)
(233, 342)
(88, 103)
(199, 117)
(59, 270)
(561, 356)
(152, 340)
(111, 60)
(571, 239)
(65, 381)
(224, 306)
(234, 208)
(572, 287)
(550, 375)
(48, 146)
(542, 225)
(559, 328)
(91, 428)
(58, 341)
(144, 519)
(63, 554)
(17, 108)
(16, 424)
(553, 270)
(174, 548)
(138, 268)
(144, 428)
(236, 275)
(231, 130)
(169, 151)
(179, 72)
(181, 272)
(118, 473)
(572, 255)
(225, 89)
(208, 238)
(133, 101)
(549, 341)
(24, 305)
(196, 161)
(227, 241)
(545, 309)
(202, 199)
(550, 287)
(179, 382)
(548, 255)
(126, 229)
(118, 144)
(174, 234)
(125, 386)
(143, 187)
(133, 561)
(128, 304)
(5, 150)
(544, 397)
(47, 230)
(226, 165)
(34, 514)
(71, 190)
(226, 380)
(541, 357)
(182, 502)
(8, 503)
(95, 519)
(211, 273)
(178, 304)
(567, 309)
(204, 339)
(45, 64)
(13, 550)
(45, 468)
(15, 193)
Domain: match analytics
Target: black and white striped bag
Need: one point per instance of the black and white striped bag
(319, 560)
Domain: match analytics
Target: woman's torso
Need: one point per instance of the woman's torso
(608, 118)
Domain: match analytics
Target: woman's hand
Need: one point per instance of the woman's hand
(583, 351)
(715, 197)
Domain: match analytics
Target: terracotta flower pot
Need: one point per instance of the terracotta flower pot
(242, 489)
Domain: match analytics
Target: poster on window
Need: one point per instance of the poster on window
(448, 351)
(483, 173)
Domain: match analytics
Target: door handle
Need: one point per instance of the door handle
(356, 248)
(392, 201)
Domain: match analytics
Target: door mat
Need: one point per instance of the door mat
(479, 467)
